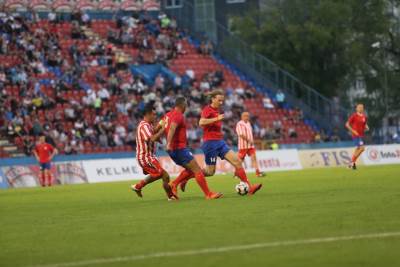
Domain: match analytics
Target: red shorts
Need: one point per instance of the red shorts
(247, 151)
(153, 168)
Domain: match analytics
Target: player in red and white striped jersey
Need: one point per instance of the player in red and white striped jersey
(246, 142)
(146, 136)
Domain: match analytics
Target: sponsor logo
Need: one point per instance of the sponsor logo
(373, 154)
(120, 170)
(376, 155)
(329, 158)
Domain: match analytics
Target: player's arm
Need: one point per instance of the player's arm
(204, 121)
(36, 154)
(160, 130)
(239, 133)
(348, 126)
(244, 137)
(55, 151)
(159, 126)
(366, 127)
(171, 133)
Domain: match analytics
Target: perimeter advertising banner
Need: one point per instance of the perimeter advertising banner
(385, 154)
(108, 170)
(275, 160)
(331, 157)
(28, 175)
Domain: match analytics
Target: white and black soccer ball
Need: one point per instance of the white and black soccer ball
(242, 188)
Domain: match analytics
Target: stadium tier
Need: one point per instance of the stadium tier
(83, 82)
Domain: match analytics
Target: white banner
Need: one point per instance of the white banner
(275, 160)
(384, 154)
(109, 170)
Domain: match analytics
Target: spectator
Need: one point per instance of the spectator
(317, 138)
(206, 48)
(268, 103)
(280, 98)
(103, 94)
(85, 19)
(292, 132)
(277, 125)
(274, 145)
(52, 17)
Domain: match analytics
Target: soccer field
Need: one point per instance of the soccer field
(322, 217)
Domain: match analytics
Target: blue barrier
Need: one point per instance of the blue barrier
(318, 145)
(61, 158)
(149, 72)
(121, 155)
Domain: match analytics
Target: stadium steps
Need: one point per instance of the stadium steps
(202, 64)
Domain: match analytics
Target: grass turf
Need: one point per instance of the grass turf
(74, 223)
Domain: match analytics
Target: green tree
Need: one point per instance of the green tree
(329, 44)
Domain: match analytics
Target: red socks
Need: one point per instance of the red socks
(42, 179)
(201, 180)
(242, 175)
(257, 172)
(141, 184)
(183, 177)
(49, 179)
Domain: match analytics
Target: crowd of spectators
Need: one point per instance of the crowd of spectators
(84, 95)
(76, 87)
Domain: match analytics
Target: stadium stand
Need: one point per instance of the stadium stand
(83, 82)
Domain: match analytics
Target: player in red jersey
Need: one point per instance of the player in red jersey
(214, 146)
(246, 142)
(146, 136)
(175, 129)
(357, 125)
(44, 153)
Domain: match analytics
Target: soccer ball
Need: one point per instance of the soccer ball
(242, 188)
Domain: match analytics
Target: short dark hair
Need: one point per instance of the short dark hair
(148, 108)
(180, 101)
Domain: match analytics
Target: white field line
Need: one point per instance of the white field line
(213, 250)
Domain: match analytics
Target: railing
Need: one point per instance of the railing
(328, 114)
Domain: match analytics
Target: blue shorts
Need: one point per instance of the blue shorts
(45, 166)
(358, 141)
(213, 149)
(181, 156)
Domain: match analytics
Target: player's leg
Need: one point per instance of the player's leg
(154, 171)
(142, 183)
(48, 174)
(210, 157)
(187, 174)
(42, 179)
(181, 180)
(254, 162)
(209, 170)
(201, 180)
(233, 159)
(42, 176)
(357, 152)
(242, 154)
(46, 177)
(167, 187)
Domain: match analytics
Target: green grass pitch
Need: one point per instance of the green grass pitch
(97, 224)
